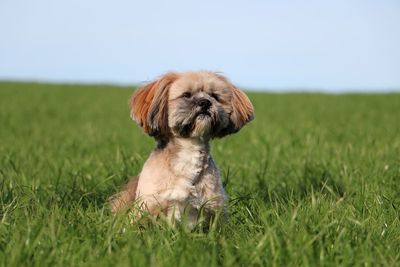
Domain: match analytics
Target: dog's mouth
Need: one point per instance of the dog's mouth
(203, 114)
(200, 117)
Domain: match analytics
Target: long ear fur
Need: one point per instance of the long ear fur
(242, 110)
(149, 106)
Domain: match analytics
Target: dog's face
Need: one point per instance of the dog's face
(194, 104)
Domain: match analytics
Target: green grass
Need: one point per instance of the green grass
(314, 180)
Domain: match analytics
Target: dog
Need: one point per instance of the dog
(183, 112)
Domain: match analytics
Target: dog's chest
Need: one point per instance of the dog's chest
(189, 164)
(187, 167)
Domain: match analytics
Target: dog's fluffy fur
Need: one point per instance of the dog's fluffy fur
(183, 112)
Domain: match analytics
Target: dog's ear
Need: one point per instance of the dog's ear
(149, 106)
(242, 110)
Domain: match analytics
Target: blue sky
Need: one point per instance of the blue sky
(276, 45)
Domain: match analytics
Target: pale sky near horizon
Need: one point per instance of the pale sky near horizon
(275, 45)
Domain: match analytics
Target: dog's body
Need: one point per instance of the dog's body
(184, 112)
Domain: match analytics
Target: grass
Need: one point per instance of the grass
(314, 180)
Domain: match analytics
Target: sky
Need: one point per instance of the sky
(342, 45)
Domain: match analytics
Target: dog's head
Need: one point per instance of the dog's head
(193, 104)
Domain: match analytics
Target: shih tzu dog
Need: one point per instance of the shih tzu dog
(183, 112)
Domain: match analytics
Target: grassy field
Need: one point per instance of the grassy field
(314, 180)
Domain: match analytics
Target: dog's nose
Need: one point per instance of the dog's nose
(204, 103)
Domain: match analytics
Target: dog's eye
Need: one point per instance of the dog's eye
(186, 95)
(215, 96)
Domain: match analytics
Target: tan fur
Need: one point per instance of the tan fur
(152, 99)
(126, 196)
(183, 112)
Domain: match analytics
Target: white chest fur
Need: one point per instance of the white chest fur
(190, 162)
(187, 166)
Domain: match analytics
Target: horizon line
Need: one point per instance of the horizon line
(267, 89)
